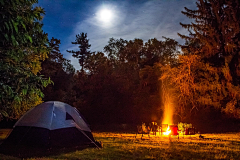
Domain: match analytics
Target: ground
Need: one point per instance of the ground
(132, 146)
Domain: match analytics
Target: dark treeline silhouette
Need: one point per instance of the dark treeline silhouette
(117, 86)
(124, 84)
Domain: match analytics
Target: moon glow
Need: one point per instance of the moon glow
(105, 15)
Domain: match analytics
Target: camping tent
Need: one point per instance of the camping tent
(51, 124)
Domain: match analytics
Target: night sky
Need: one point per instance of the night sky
(101, 20)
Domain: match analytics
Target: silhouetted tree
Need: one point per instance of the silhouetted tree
(84, 46)
(164, 52)
(114, 50)
(61, 72)
(119, 87)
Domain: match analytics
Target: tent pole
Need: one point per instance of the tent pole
(89, 138)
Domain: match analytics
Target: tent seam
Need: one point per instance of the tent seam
(50, 127)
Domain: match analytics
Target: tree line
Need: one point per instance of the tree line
(128, 82)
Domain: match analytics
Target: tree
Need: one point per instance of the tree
(151, 93)
(23, 46)
(194, 84)
(164, 52)
(97, 63)
(114, 50)
(84, 47)
(61, 72)
(214, 37)
(134, 51)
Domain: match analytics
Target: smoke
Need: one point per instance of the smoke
(168, 104)
(168, 113)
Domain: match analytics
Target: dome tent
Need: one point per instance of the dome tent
(51, 124)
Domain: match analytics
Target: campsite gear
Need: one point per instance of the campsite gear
(49, 125)
(190, 131)
(174, 130)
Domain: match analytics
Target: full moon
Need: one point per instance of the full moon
(105, 15)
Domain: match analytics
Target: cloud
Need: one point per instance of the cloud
(145, 20)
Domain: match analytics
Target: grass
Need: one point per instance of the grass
(128, 146)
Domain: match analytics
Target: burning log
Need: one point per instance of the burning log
(164, 128)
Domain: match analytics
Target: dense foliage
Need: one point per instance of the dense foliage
(23, 45)
(61, 72)
(119, 85)
(208, 71)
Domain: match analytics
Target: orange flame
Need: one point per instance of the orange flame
(168, 114)
(168, 100)
(167, 132)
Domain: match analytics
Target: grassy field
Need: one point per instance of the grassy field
(129, 146)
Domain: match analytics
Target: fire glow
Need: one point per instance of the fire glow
(167, 117)
(168, 113)
(167, 132)
(168, 109)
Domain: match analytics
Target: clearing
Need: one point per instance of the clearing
(130, 146)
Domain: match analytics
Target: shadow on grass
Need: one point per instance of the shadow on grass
(26, 152)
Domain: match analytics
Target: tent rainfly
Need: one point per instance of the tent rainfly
(49, 125)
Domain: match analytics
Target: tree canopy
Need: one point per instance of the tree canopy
(208, 71)
(23, 46)
(84, 46)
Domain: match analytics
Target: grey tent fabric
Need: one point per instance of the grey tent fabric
(51, 124)
(52, 115)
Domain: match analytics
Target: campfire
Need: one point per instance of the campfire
(167, 132)
(167, 124)
(169, 129)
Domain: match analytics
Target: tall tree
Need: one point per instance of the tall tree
(97, 63)
(84, 46)
(134, 51)
(114, 50)
(214, 37)
(23, 46)
(164, 52)
(156, 54)
(61, 73)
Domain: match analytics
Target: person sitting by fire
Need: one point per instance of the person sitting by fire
(154, 127)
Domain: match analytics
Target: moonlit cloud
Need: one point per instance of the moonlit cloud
(146, 20)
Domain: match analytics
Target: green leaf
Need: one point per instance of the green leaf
(6, 36)
(23, 25)
(8, 90)
(6, 25)
(24, 92)
(17, 99)
(41, 94)
(15, 24)
(29, 38)
(10, 24)
(4, 113)
(14, 40)
(50, 81)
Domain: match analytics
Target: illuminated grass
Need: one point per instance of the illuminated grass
(128, 146)
(3, 134)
